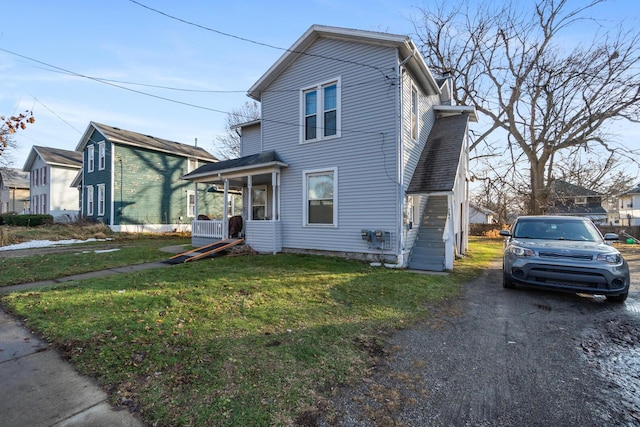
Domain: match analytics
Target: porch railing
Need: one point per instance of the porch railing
(209, 228)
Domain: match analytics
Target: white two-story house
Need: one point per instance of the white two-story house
(358, 153)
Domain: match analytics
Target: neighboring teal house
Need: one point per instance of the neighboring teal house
(131, 181)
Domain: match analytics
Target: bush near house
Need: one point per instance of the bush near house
(26, 220)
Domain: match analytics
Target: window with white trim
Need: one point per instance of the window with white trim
(34, 205)
(414, 113)
(320, 201)
(90, 158)
(259, 202)
(43, 203)
(191, 203)
(36, 177)
(44, 175)
(89, 199)
(321, 111)
(101, 198)
(192, 164)
(101, 156)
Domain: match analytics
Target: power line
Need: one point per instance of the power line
(222, 33)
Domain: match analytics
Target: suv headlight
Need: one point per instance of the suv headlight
(610, 258)
(519, 251)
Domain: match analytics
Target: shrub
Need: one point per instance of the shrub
(26, 220)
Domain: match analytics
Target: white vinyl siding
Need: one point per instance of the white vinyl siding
(414, 113)
(365, 155)
(320, 105)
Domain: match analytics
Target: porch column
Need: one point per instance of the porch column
(249, 199)
(274, 186)
(225, 215)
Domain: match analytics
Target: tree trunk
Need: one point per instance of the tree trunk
(538, 196)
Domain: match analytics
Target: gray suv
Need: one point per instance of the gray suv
(564, 253)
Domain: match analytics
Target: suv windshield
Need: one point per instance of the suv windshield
(556, 229)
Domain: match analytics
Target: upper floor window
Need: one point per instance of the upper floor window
(192, 164)
(44, 175)
(320, 197)
(90, 158)
(101, 156)
(414, 113)
(581, 200)
(321, 111)
(36, 177)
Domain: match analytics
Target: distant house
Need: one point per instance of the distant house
(131, 182)
(14, 191)
(570, 199)
(52, 170)
(358, 152)
(630, 207)
(478, 215)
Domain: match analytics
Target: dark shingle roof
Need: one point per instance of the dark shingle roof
(14, 178)
(438, 164)
(59, 157)
(127, 137)
(565, 189)
(246, 162)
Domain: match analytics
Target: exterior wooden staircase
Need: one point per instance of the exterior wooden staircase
(428, 251)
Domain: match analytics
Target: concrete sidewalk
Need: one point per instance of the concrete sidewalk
(38, 387)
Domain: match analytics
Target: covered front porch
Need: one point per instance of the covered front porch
(256, 179)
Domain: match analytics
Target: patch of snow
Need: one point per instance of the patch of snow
(47, 243)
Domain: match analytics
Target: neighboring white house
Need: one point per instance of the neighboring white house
(630, 207)
(358, 152)
(14, 191)
(52, 170)
(478, 215)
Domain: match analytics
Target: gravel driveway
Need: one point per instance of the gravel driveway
(499, 357)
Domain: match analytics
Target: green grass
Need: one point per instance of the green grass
(83, 259)
(252, 340)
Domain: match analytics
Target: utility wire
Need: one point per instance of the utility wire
(184, 21)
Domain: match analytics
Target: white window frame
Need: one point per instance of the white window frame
(44, 175)
(90, 158)
(191, 204)
(43, 203)
(254, 204)
(89, 200)
(101, 199)
(192, 164)
(580, 200)
(102, 156)
(414, 113)
(305, 196)
(320, 111)
(34, 205)
(36, 178)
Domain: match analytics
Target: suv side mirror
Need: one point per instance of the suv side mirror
(505, 233)
(611, 236)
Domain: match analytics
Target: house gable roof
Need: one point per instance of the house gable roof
(438, 164)
(14, 178)
(266, 159)
(125, 137)
(563, 188)
(53, 157)
(404, 44)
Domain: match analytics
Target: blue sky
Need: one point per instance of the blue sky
(122, 41)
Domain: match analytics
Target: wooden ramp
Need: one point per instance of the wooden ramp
(204, 251)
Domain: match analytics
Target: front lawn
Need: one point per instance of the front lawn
(251, 340)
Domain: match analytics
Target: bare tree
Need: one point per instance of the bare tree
(545, 97)
(228, 145)
(9, 126)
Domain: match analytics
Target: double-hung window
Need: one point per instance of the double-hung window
(414, 113)
(90, 158)
(320, 197)
(89, 200)
(259, 202)
(191, 203)
(101, 156)
(101, 199)
(321, 111)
